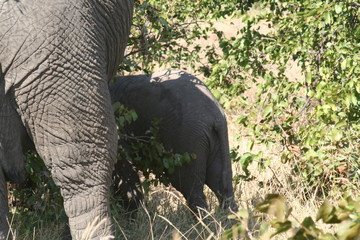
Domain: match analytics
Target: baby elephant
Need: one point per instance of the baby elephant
(191, 121)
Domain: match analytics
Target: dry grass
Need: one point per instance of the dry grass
(166, 216)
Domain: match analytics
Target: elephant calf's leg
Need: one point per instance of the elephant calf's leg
(192, 188)
(189, 179)
(219, 180)
(127, 185)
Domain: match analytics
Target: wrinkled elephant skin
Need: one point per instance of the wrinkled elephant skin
(60, 101)
(191, 120)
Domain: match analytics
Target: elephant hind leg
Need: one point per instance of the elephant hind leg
(75, 134)
(83, 173)
(189, 179)
(219, 169)
(219, 180)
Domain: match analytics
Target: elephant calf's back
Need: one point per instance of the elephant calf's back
(176, 97)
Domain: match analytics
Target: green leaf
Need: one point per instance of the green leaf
(348, 230)
(327, 213)
(245, 160)
(325, 210)
(275, 204)
(338, 8)
(234, 232)
(186, 157)
(116, 106)
(217, 94)
(287, 157)
(311, 93)
(280, 227)
(328, 236)
(268, 109)
(243, 213)
(343, 64)
(336, 135)
(357, 87)
(264, 228)
(250, 144)
(166, 163)
(134, 115)
(321, 85)
(242, 120)
(308, 77)
(308, 222)
(328, 17)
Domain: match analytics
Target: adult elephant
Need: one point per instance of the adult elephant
(56, 59)
(191, 120)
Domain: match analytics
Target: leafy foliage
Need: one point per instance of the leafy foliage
(320, 38)
(345, 217)
(154, 40)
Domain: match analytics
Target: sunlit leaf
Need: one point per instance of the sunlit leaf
(338, 8)
(348, 230)
(268, 109)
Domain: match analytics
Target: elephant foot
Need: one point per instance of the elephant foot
(96, 228)
(199, 209)
(89, 216)
(229, 204)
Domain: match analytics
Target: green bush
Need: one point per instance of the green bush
(315, 118)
